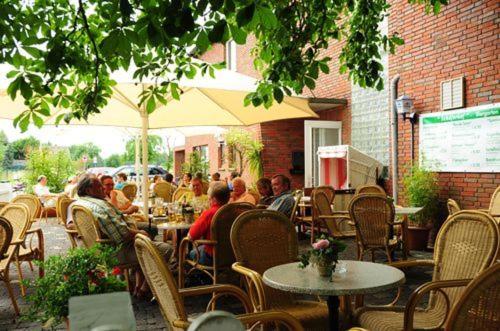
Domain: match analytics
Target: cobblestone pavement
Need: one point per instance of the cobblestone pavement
(148, 315)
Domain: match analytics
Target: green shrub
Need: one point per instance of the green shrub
(196, 164)
(81, 272)
(54, 163)
(248, 150)
(421, 190)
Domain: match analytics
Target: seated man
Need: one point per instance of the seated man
(195, 197)
(169, 178)
(121, 180)
(284, 200)
(215, 180)
(219, 196)
(42, 191)
(113, 225)
(240, 193)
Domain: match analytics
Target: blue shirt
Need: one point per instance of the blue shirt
(120, 185)
(283, 203)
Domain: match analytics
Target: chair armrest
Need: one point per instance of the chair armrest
(253, 279)
(71, 231)
(219, 290)
(272, 316)
(417, 295)
(414, 263)
(105, 241)
(204, 242)
(17, 242)
(181, 324)
(33, 230)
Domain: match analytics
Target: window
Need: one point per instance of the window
(203, 150)
(231, 55)
(221, 155)
(452, 93)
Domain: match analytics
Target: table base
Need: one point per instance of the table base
(333, 312)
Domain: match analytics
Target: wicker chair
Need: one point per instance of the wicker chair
(255, 195)
(164, 190)
(452, 206)
(297, 195)
(8, 250)
(205, 186)
(87, 227)
(179, 193)
(171, 300)
(30, 253)
(494, 209)
(479, 306)
(262, 239)
(130, 191)
(370, 189)
(465, 246)
(18, 215)
(373, 218)
(223, 256)
(336, 222)
(62, 216)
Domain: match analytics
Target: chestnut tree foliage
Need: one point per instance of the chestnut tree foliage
(64, 51)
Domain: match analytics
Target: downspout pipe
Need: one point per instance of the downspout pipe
(394, 125)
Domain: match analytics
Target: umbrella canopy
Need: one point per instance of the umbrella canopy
(203, 101)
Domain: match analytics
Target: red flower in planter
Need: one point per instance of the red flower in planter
(116, 271)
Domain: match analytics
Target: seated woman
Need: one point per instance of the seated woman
(113, 224)
(240, 193)
(156, 179)
(121, 180)
(266, 191)
(219, 196)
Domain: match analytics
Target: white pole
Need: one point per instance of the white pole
(145, 172)
(137, 160)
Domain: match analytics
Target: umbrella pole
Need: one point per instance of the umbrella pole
(137, 160)
(145, 172)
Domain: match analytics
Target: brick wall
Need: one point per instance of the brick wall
(461, 40)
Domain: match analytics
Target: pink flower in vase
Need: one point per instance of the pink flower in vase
(321, 244)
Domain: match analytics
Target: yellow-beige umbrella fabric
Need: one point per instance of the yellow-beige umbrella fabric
(204, 101)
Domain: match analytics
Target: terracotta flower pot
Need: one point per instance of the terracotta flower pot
(417, 238)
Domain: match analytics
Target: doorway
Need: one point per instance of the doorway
(318, 134)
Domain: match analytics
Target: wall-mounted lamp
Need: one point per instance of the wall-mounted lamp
(220, 138)
(404, 106)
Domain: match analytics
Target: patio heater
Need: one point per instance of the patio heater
(404, 106)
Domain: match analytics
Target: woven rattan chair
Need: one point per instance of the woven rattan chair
(205, 186)
(465, 246)
(171, 299)
(479, 306)
(494, 209)
(130, 191)
(373, 218)
(88, 229)
(18, 215)
(164, 190)
(297, 196)
(223, 256)
(336, 222)
(28, 252)
(179, 193)
(452, 206)
(8, 249)
(370, 189)
(62, 215)
(262, 239)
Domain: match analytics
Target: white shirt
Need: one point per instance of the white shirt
(41, 190)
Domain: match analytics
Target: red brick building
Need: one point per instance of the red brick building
(462, 41)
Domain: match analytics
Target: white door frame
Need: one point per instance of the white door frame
(308, 126)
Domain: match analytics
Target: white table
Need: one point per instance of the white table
(360, 278)
(174, 226)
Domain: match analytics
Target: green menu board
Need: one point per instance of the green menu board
(465, 140)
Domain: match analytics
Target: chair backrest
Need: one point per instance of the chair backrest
(370, 189)
(221, 229)
(85, 224)
(495, 204)
(130, 191)
(321, 206)
(179, 192)
(5, 236)
(164, 190)
(255, 195)
(297, 195)
(19, 217)
(452, 206)
(205, 185)
(329, 191)
(32, 202)
(62, 209)
(262, 239)
(479, 306)
(466, 244)
(161, 281)
(372, 215)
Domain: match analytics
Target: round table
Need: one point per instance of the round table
(360, 278)
(174, 226)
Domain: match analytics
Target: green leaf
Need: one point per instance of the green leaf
(12, 73)
(37, 120)
(267, 17)
(239, 36)
(217, 33)
(33, 51)
(174, 90)
(324, 68)
(278, 94)
(24, 123)
(44, 108)
(245, 15)
(309, 82)
(202, 42)
(126, 9)
(26, 90)
(150, 105)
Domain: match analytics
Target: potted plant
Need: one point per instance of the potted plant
(324, 255)
(81, 272)
(421, 190)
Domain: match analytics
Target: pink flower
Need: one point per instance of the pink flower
(321, 244)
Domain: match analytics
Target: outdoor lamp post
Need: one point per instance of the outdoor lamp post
(404, 106)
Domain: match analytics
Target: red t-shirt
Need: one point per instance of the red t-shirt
(201, 228)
